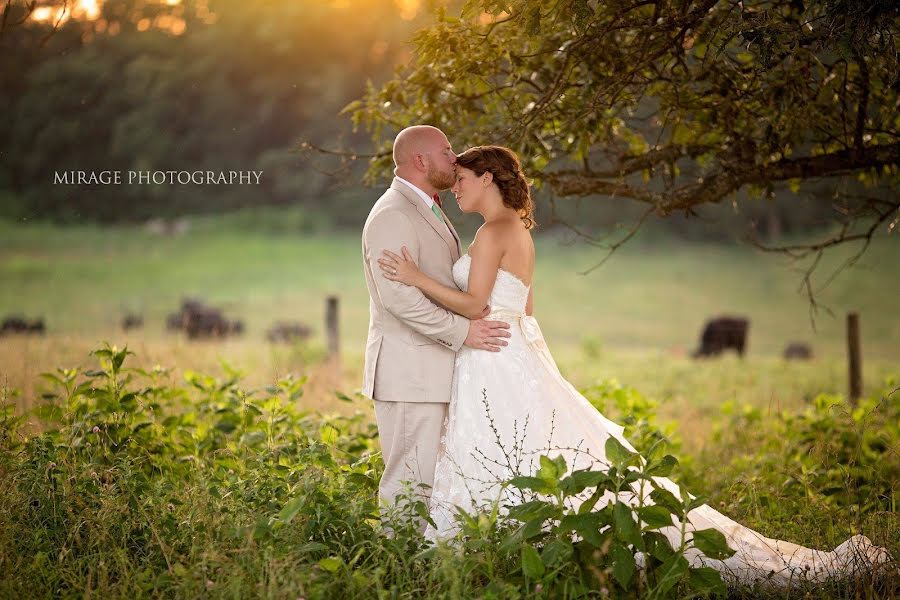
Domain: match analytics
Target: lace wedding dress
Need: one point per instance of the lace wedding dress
(509, 407)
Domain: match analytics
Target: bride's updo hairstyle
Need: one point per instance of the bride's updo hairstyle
(504, 165)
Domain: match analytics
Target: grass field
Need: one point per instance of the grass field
(635, 319)
(192, 486)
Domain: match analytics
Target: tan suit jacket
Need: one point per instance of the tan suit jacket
(412, 342)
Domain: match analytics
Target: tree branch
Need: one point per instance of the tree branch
(714, 186)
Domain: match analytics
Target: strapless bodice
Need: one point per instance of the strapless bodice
(510, 294)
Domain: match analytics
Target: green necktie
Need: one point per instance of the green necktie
(437, 213)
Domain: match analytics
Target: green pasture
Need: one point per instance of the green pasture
(636, 318)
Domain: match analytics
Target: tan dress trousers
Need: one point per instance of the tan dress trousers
(410, 435)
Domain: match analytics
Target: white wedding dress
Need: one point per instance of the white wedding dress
(509, 407)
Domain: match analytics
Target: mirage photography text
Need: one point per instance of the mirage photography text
(157, 177)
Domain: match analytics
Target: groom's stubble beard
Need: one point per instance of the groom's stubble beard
(441, 180)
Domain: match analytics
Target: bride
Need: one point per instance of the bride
(517, 399)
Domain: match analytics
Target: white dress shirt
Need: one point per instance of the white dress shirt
(429, 201)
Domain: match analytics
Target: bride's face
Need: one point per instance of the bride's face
(467, 189)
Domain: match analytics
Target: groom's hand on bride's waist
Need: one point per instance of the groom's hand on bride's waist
(487, 335)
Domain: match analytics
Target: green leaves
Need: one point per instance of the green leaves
(623, 565)
(717, 97)
(712, 543)
(663, 467)
(579, 481)
(667, 499)
(547, 478)
(552, 470)
(331, 564)
(707, 580)
(618, 454)
(671, 572)
(532, 566)
(655, 516)
(535, 509)
(556, 552)
(535, 484)
(625, 526)
(225, 466)
(290, 510)
(586, 525)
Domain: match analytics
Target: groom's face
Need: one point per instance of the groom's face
(441, 163)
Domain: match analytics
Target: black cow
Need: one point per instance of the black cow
(132, 321)
(14, 324)
(199, 320)
(288, 332)
(723, 333)
(798, 351)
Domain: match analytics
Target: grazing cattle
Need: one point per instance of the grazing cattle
(201, 321)
(132, 321)
(798, 351)
(206, 322)
(723, 333)
(178, 321)
(288, 332)
(14, 324)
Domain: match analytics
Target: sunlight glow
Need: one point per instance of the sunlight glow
(86, 9)
(58, 13)
(408, 9)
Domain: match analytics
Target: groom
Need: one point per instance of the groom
(412, 343)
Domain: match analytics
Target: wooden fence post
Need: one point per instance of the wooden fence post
(854, 358)
(331, 326)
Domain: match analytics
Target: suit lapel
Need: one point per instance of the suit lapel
(442, 229)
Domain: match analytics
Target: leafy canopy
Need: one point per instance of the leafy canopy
(674, 104)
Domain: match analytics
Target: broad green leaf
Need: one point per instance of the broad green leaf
(524, 482)
(618, 453)
(527, 510)
(331, 564)
(707, 579)
(556, 552)
(670, 573)
(532, 565)
(655, 516)
(664, 467)
(587, 525)
(712, 543)
(623, 565)
(548, 468)
(291, 509)
(667, 499)
(625, 525)
(589, 504)
(658, 545)
(523, 533)
(578, 481)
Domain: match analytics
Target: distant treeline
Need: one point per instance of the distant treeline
(236, 90)
(228, 85)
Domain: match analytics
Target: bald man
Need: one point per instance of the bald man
(412, 343)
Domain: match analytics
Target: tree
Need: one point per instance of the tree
(125, 90)
(674, 104)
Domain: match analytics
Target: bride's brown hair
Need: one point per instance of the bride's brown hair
(504, 165)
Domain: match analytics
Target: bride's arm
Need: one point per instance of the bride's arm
(482, 275)
(529, 306)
